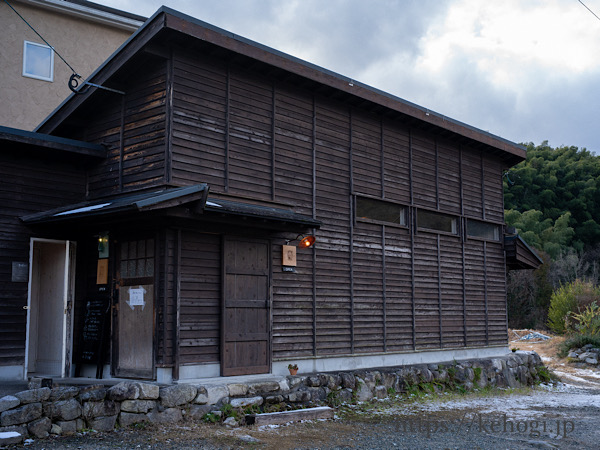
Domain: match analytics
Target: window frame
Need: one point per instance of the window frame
(420, 228)
(33, 75)
(126, 280)
(485, 222)
(403, 210)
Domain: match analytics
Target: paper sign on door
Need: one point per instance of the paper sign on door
(136, 297)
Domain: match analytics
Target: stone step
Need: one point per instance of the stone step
(276, 418)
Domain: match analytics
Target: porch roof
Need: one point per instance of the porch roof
(139, 202)
(247, 210)
(204, 208)
(519, 255)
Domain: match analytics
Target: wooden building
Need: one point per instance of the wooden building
(175, 208)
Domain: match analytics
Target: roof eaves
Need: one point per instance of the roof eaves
(120, 56)
(42, 140)
(92, 12)
(128, 203)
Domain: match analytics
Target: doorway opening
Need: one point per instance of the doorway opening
(49, 304)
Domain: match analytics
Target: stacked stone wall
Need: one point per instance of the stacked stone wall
(41, 411)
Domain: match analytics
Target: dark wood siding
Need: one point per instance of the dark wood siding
(293, 304)
(398, 286)
(424, 171)
(133, 128)
(249, 135)
(200, 111)
(29, 185)
(166, 304)
(396, 141)
(333, 276)
(476, 307)
(200, 294)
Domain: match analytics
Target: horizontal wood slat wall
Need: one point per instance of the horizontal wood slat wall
(248, 135)
(29, 185)
(200, 297)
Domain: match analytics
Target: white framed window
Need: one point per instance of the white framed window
(483, 230)
(438, 222)
(380, 211)
(38, 61)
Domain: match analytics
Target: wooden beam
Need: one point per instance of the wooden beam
(321, 412)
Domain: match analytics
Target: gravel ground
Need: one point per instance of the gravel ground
(563, 417)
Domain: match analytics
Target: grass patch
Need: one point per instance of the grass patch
(377, 409)
(546, 375)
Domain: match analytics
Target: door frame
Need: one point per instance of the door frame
(121, 284)
(67, 303)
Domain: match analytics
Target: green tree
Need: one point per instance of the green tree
(551, 236)
(552, 182)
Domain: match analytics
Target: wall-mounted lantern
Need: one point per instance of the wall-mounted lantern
(102, 270)
(103, 245)
(288, 252)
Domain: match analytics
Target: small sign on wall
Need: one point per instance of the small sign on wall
(102, 272)
(20, 272)
(288, 253)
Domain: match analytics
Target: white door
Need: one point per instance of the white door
(49, 325)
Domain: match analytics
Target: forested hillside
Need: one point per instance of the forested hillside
(553, 199)
(552, 191)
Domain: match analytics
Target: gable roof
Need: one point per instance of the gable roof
(167, 23)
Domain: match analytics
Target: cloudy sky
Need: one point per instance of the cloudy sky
(526, 70)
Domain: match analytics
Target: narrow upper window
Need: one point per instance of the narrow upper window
(370, 209)
(435, 221)
(483, 230)
(38, 61)
(137, 259)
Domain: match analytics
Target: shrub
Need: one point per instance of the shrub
(586, 322)
(577, 341)
(574, 297)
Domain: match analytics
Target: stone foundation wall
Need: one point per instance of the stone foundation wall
(67, 409)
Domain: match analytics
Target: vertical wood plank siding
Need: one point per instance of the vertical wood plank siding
(28, 185)
(199, 121)
(334, 305)
(137, 148)
(200, 293)
(165, 330)
(248, 135)
(293, 307)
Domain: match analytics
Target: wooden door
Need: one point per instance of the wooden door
(135, 316)
(246, 343)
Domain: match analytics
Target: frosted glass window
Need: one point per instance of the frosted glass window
(38, 61)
